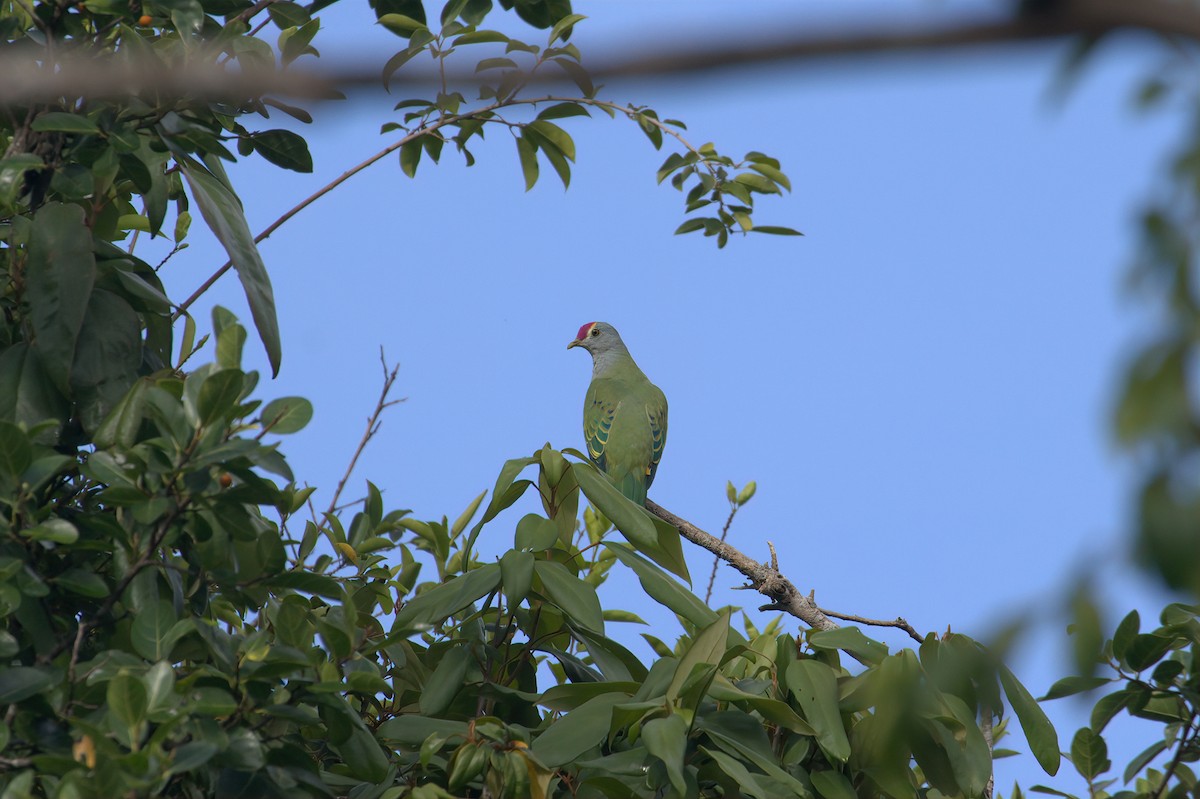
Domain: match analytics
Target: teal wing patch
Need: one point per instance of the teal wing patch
(658, 433)
(597, 426)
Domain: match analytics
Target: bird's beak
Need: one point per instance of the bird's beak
(574, 343)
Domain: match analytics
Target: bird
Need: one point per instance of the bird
(624, 414)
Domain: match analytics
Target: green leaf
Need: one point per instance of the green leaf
(1147, 649)
(563, 27)
(1126, 631)
(310, 583)
(286, 415)
(60, 274)
(815, 688)
(746, 782)
(776, 230)
(442, 601)
(553, 134)
(707, 648)
(1069, 686)
(666, 739)
(219, 395)
(1110, 705)
(833, 785)
(150, 633)
(58, 531)
(127, 700)
(223, 212)
(16, 453)
(852, 640)
(107, 356)
(1089, 754)
(401, 25)
(191, 755)
(516, 575)
(63, 122)
(529, 165)
(663, 589)
(535, 532)
(633, 522)
(465, 517)
(27, 393)
(83, 582)
(690, 226)
(1043, 740)
(574, 597)
(283, 148)
(1143, 759)
(410, 156)
(445, 681)
(21, 682)
(564, 110)
(572, 735)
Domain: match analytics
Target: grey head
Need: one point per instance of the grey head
(604, 343)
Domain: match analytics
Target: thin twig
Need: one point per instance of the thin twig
(712, 577)
(1190, 733)
(897, 622)
(389, 379)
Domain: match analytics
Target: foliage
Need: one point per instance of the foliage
(1155, 677)
(174, 624)
(172, 630)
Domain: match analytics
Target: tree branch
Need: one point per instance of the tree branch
(26, 83)
(764, 578)
(898, 622)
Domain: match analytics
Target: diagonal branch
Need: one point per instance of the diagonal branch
(764, 578)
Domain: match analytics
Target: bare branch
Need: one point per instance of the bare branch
(763, 578)
(897, 622)
(27, 83)
(712, 576)
(383, 403)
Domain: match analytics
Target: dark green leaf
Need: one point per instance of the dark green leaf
(535, 532)
(574, 597)
(442, 601)
(21, 682)
(666, 739)
(283, 148)
(815, 688)
(445, 681)
(60, 275)
(63, 122)
(1043, 740)
(1089, 754)
(1069, 686)
(223, 212)
(516, 570)
(572, 735)
(286, 415)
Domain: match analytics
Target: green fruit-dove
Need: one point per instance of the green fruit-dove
(624, 414)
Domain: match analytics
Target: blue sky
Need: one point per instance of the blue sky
(921, 386)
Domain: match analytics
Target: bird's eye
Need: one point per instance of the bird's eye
(595, 332)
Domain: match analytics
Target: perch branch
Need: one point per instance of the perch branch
(898, 622)
(764, 578)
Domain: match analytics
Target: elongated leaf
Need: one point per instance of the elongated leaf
(64, 122)
(59, 278)
(442, 601)
(815, 688)
(666, 739)
(663, 589)
(223, 213)
(576, 598)
(22, 682)
(567, 739)
(516, 569)
(833, 785)
(852, 640)
(707, 648)
(529, 164)
(1043, 740)
(27, 394)
(445, 681)
(1069, 686)
(633, 522)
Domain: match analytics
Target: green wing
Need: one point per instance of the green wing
(599, 409)
(657, 411)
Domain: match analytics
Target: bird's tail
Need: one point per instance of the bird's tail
(633, 486)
